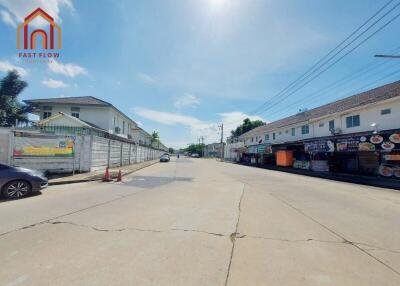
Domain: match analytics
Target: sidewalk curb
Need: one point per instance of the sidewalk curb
(333, 177)
(96, 179)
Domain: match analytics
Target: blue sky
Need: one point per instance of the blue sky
(182, 67)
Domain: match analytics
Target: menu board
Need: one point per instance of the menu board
(376, 142)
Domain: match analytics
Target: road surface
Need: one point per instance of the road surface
(203, 222)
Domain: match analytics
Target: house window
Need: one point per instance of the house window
(385, 111)
(115, 121)
(280, 132)
(273, 136)
(75, 114)
(46, 114)
(321, 124)
(123, 127)
(266, 137)
(353, 121)
(305, 129)
(287, 131)
(293, 131)
(331, 125)
(252, 139)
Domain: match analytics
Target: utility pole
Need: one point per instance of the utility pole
(202, 146)
(222, 141)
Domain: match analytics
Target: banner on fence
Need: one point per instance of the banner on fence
(39, 145)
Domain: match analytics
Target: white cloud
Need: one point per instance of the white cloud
(186, 100)
(7, 18)
(145, 78)
(20, 9)
(52, 83)
(6, 66)
(232, 119)
(197, 127)
(70, 70)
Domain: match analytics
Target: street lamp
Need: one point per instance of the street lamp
(387, 56)
(375, 126)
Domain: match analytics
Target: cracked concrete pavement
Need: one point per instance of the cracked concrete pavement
(203, 222)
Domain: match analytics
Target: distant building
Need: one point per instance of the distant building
(213, 150)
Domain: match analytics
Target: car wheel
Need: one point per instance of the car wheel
(16, 189)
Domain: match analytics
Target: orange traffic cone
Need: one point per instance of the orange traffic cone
(119, 178)
(107, 177)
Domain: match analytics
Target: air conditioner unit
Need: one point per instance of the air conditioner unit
(336, 131)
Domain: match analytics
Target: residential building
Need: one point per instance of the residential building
(213, 150)
(357, 134)
(88, 109)
(373, 110)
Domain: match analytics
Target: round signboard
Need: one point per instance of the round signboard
(387, 145)
(395, 138)
(376, 139)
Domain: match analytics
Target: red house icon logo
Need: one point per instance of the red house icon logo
(30, 37)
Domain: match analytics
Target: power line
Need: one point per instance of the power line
(332, 64)
(345, 80)
(318, 64)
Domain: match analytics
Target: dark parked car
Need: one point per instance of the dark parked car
(164, 158)
(17, 182)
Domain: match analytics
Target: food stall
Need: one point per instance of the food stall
(320, 152)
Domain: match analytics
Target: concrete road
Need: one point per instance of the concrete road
(203, 222)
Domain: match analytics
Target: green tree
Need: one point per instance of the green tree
(155, 137)
(11, 109)
(246, 126)
(171, 150)
(195, 148)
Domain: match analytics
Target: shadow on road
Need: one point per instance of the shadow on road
(148, 182)
(2, 200)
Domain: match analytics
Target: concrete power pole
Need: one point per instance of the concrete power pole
(202, 146)
(222, 141)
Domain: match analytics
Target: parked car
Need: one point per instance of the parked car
(195, 155)
(17, 182)
(164, 158)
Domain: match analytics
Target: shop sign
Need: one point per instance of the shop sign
(261, 148)
(389, 171)
(268, 150)
(392, 157)
(347, 144)
(252, 149)
(385, 142)
(319, 146)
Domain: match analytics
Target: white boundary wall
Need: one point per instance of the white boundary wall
(90, 153)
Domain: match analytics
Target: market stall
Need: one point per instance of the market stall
(320, 152)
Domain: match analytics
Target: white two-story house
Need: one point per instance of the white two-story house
(89, 109)
(374, 110)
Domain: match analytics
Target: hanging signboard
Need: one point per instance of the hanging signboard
(39, 145)
(347, 144)
(261, 148)
(384, 142)
(319, 146)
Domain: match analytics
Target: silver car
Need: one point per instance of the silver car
(17, 182)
